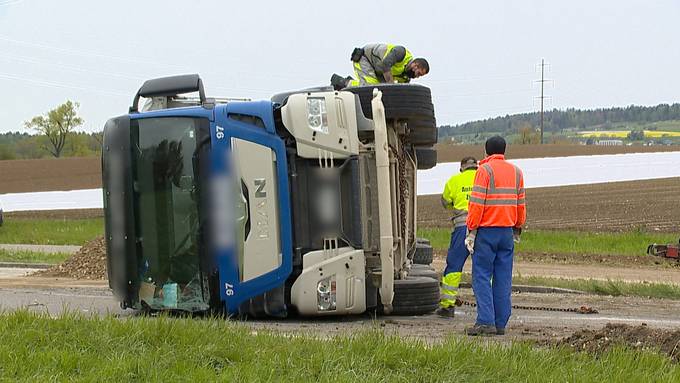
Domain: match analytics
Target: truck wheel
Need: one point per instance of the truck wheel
(415, 296)
(426, 157)
(423, 271)
(423, 254)
(402, 101)
(423, 240)
(422, 131)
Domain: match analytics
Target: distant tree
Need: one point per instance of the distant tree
(527, 135)
(636, 135)
(56, 125)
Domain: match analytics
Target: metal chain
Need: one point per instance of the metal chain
(580, 310)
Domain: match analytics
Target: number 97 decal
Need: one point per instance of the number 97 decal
(229, 289)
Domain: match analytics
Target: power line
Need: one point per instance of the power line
(542, 96)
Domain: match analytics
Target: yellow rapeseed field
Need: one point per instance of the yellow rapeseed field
(624, 133)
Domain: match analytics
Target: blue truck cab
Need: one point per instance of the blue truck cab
(255, 208)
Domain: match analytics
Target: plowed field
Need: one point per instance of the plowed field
(454, 153)
(652, 205)
(22, 176)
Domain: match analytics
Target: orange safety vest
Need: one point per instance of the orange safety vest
(497, 198)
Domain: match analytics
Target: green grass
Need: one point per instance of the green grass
(608, 287)
(569, 242)
(51, 231)
(73, 348)
(31, 257)
(600, 287)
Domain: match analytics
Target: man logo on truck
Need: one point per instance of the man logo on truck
(261, 216)
(260, 183)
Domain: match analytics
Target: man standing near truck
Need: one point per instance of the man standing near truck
(496, 213)
(382, 63)
(455, 197)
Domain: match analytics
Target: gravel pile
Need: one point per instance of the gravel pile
(88, 263)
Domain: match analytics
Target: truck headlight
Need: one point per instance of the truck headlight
(325, 294)
(317, 117)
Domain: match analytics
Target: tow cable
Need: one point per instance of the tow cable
(580, 310)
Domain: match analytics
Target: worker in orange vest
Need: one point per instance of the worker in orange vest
(496, 213)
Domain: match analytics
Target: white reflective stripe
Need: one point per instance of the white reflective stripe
(492, 180)
(448, 287)
(477, 200)
(447, 296)
(479, 189)
(497, 202)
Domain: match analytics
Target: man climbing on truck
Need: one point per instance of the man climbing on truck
(382, 63)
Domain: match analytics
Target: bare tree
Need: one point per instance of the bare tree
(56, 125)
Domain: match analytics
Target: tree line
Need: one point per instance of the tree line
(560, 120)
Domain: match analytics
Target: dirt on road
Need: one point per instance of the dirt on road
(650, 205)
(640, 337)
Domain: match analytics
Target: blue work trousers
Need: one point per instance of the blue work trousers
(458, 253)
(492, 275)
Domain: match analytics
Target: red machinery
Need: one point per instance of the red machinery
(665, 251)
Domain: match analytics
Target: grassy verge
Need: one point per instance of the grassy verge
(609, 287)
(601, 287)
(569, 242)
(31, 257)
(51, 231)
(37, 348)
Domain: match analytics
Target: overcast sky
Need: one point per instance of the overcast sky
(483, 54)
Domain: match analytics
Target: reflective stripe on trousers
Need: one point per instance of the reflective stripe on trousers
(449, 289)
(455, 259)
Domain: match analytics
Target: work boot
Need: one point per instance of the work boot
(338, 82)
(481, 330)
(446, 312)
(500, 331)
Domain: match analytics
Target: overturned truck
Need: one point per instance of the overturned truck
(304, 204)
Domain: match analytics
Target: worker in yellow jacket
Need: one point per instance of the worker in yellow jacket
(455, 197)
(382, 63)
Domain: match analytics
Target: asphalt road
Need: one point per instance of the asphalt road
(65, 249)
(54, 297)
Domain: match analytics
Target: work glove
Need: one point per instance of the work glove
(470, 241)
(516, 232)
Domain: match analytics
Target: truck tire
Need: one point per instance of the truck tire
(423, 254)
(423, 240)
(415, 296)
(423, 271)
(401, 101)
(422, 131)
(426, 157)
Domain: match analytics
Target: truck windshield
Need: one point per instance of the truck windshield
(166, 192)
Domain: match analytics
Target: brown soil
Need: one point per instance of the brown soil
(57, 214)
(21, 176)
(650, 205)
(637, 337)
(88, 263)
(454, 153)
